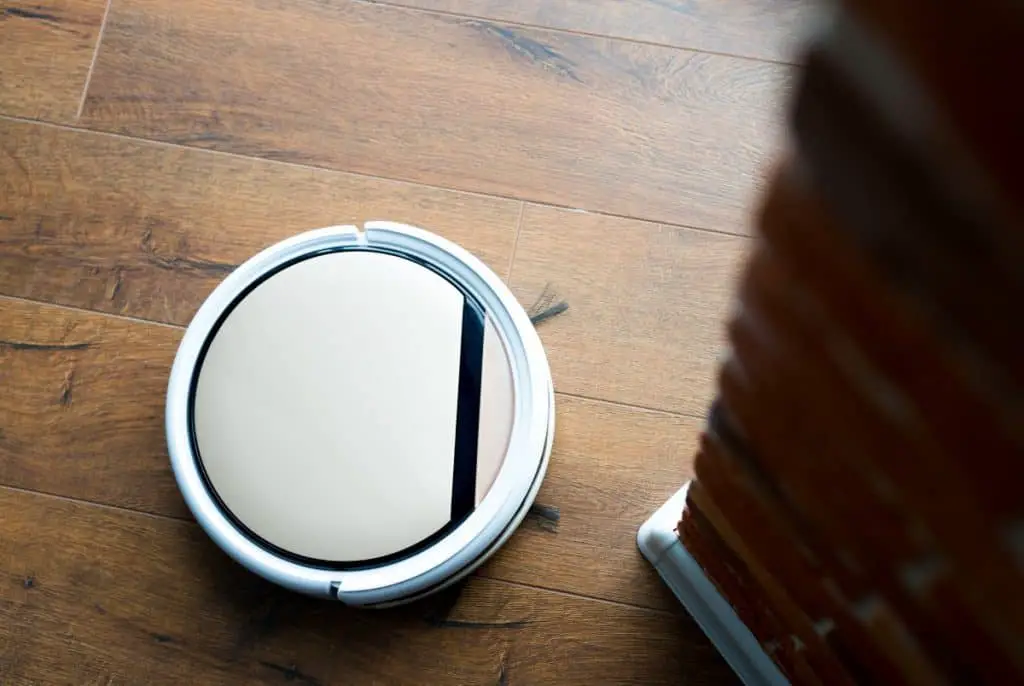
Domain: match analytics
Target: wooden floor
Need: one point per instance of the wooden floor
(613, 148)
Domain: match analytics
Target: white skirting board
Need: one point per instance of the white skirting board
(660, 544)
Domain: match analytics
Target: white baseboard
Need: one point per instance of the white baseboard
(660, 544)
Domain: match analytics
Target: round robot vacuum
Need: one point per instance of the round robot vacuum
(365, 415)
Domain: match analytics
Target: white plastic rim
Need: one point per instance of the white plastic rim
(495, 517)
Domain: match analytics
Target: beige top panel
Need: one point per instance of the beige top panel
(326, 404)
(496, 411)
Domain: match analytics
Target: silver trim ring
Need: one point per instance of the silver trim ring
(494, 519)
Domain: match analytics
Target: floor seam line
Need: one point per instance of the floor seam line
(181, 329)
(95, 58)
(192, 523)
(515, 243)
(364, 175)
(577, 32)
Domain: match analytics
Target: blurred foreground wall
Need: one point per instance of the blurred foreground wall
(860, 490)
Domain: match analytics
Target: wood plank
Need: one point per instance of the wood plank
(587, 122)
(47, 49)
(95, 595)
(647, 304)
(82, 416)
(148, 230)
(767, 29)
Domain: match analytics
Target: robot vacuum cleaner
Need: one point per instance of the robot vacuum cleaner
(365, 415)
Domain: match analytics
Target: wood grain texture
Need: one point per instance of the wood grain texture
(767, 29)
(82, 416)
(129, 598)
(610, 468)
(595, 123)
(47, 49)
(148, 230)
(646, 304)
(81, 413)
